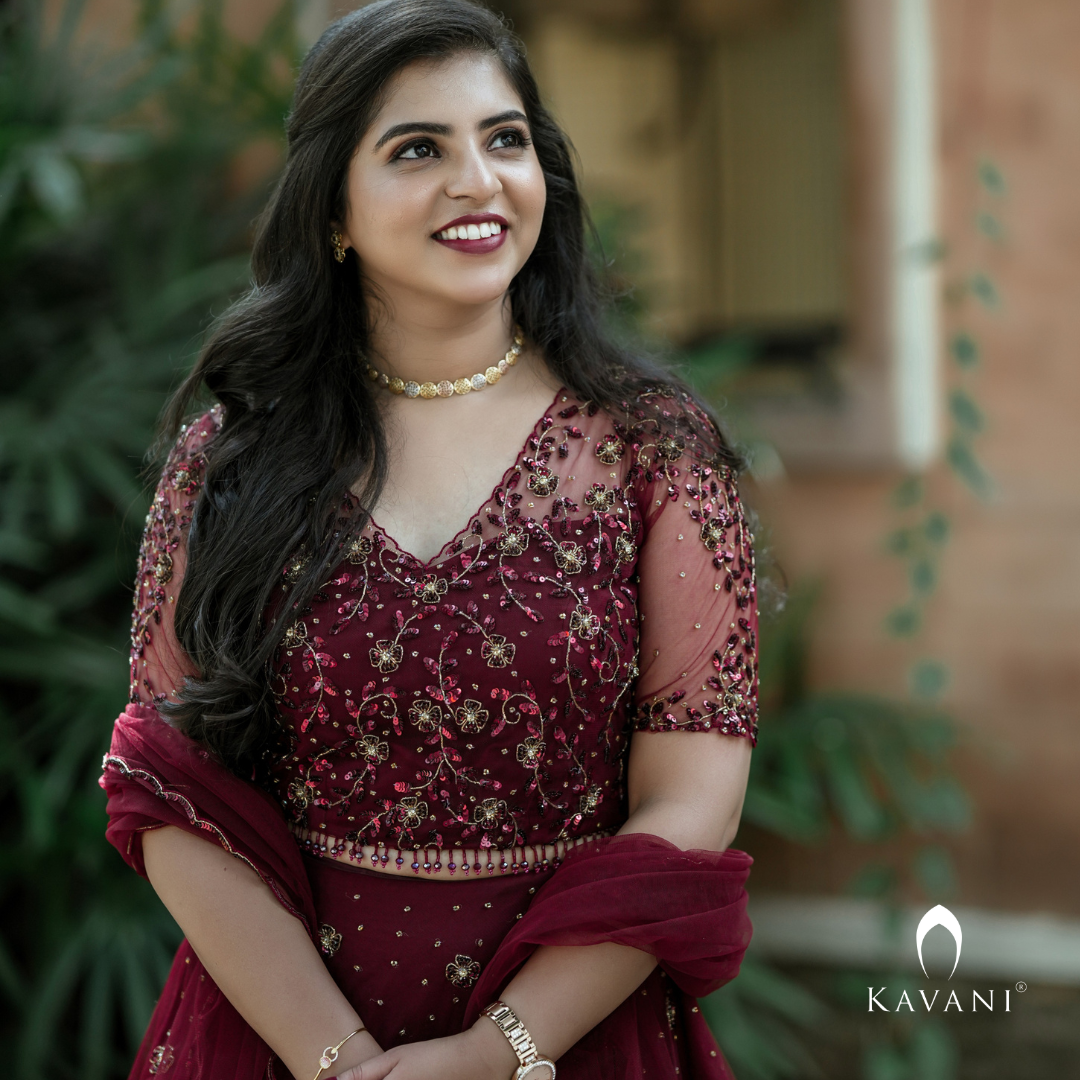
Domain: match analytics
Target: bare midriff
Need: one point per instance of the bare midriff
(443, 864)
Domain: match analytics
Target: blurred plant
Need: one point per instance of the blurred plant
(907, 1050)
(758, 1018)
(911, 1047)
(875, 767)
(924, 529)
(620, 262)
(122, 221)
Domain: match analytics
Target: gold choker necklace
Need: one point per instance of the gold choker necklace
(446, 388)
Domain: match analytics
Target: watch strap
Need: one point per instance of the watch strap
(517, 1034)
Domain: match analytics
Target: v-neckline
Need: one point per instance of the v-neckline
(426, 564)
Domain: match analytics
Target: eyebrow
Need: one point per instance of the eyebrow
(502, 118)
(429, 127)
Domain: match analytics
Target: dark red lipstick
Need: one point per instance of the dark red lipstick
(475, 244)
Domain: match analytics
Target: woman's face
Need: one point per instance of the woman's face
(445, 194)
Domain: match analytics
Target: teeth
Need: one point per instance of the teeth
(471, 232)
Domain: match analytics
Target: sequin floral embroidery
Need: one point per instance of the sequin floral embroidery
(463, 970)
(486, 697)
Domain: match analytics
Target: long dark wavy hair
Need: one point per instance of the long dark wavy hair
(301, 425)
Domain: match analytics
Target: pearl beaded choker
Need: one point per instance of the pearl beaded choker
(446, 388)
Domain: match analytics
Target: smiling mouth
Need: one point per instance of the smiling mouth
(481, 231)
(478, 236)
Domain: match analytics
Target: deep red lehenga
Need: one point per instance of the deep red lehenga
(481, 701)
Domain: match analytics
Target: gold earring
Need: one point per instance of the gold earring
(339, 250)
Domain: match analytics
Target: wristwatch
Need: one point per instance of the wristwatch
(517, 1034)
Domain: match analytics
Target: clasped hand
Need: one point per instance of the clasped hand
(479, 1053)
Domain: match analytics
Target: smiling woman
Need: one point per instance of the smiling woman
(442, 701)
(450, 152)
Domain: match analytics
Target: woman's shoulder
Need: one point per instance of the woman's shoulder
(184, 471)
(676, 455)
(186, 463)
(658, 428)
(196, 434)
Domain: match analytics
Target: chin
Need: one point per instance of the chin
(473, 290)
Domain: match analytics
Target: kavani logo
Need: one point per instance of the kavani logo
(943, 917)
(939, 916)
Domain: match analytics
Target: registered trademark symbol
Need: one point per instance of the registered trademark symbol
(1021, 987)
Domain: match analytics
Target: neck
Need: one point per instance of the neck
(428, 345)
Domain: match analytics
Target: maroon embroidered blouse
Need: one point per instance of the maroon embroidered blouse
(487, 697)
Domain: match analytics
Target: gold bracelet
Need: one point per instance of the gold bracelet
(330, 1054)
(517, 1034)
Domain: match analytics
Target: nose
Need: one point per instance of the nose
(474, 178)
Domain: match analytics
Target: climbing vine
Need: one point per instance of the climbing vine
(920, 534)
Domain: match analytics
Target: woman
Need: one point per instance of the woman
(468, 799)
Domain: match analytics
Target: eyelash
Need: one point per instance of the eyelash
(523, 140)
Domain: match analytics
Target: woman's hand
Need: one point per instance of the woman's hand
(480, 1053)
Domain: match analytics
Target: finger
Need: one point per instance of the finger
(355, 1072)
(376, 1068)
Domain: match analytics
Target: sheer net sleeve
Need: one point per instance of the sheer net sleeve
(158, 663)
(697, 589)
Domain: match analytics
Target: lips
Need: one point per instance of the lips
(475, 234)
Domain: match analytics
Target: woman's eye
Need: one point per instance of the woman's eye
(511, 138)
(416, 151)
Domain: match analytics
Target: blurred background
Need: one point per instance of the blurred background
(854, 224)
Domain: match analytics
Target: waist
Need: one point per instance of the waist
(441, 863)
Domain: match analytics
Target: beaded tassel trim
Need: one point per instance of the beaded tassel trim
(446, 388)
(521, 859)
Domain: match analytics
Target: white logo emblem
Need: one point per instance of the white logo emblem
(939, 916)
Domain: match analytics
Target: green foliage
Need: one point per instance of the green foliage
(121, 224)
(926, 1052)
(874, 766)
(759, 1016)
(714, 368)
(982, 287)
(928, 678)
(926, 1049)
(991, 178)
(919, 540)
(619, 262)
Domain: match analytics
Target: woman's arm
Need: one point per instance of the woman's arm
(259, 955)
(686, 787)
